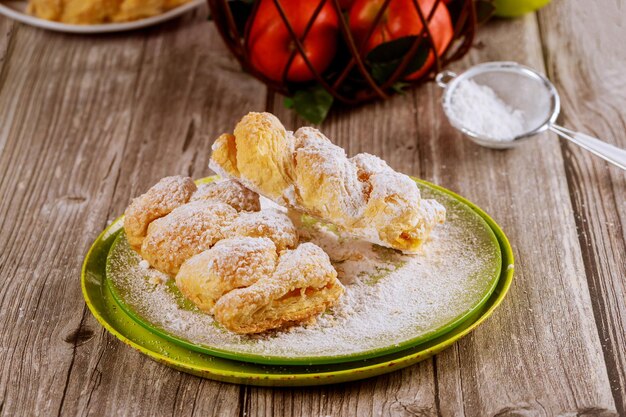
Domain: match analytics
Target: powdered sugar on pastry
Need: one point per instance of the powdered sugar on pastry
(389, 297)
(230, 264)
(172, 192)
(186, 231)
(303, 285)
(219, 248)
(229, 192)
(306, 172)
(251, 289)
(396, 196)
(269, 223)
(326, 181)
(158, 201)
(192, 228)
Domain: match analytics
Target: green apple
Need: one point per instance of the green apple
(514, 8)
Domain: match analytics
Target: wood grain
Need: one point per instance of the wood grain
(184, 96)
(543, 340)
(59, 198)
(589, 73)
(89, 116)
(7, 28)
(89, 122)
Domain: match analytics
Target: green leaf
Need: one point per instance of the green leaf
(386, 57)
(392, 50)
(381, 71)
(484, 10)
(399, 87)
(312, 104)
(288, 102)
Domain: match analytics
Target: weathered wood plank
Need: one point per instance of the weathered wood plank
(7, 30)
(90, 122)
(540, 354)
(57, 182)
(95, 121)
(586, 55)
(185, 95)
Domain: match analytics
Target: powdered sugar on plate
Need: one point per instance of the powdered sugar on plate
(391, 298)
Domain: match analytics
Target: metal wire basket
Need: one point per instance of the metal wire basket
(351, 77)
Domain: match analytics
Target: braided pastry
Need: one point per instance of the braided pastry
(251, 290)
(172, 192)
(186, 231)
(229, 259)
(231, 263)
(306, 172)
(270, 223)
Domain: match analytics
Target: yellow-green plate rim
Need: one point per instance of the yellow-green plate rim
(317, 378)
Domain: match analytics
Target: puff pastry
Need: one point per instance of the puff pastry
(229, 192)
(231, 263)
(186, 231)
(306, 172)
(158, 201)
(226, 256)
(198, 225)
(269, 223)
(172, 192)
(99, 11)
(302, 285)
(175, 220)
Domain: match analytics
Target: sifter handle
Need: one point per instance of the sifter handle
(604, 150)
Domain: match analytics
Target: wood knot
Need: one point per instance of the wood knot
(519, 411)
(529, 411)
(399, 408)
(73, 199)
(595, 412)
(79, 336)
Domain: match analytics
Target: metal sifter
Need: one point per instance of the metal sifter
(523, 89)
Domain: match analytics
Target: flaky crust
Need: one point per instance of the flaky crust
(166, 230)
(215, 245)
(158, 201)
(325, 180)
(229, 192)
(306, 172)
(269, 223)
(186, 231)
(231, 263)
(303, 285)
(85, 12)
(269, 167)
(392, 195)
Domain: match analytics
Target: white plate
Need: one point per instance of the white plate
(16, 9)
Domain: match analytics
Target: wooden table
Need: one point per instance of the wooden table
(86, 123)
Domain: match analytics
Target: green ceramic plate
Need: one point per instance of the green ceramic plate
(393, 301)
(117, 322)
